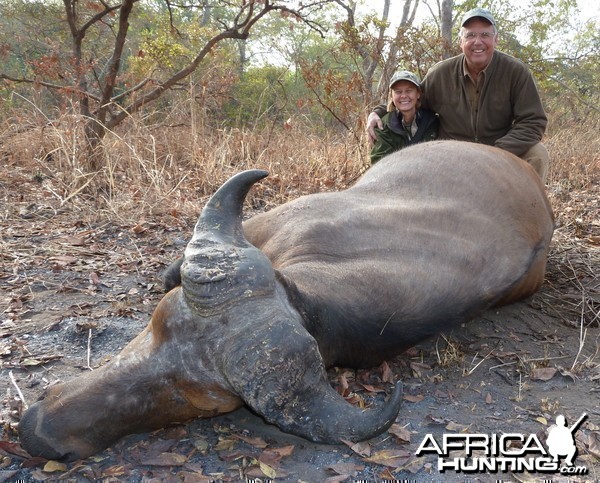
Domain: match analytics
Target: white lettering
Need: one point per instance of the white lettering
(509, 452)
(533, 445)
(491, 445)
(505, 444)
(471, 443)
(573, 470)
(429, 449)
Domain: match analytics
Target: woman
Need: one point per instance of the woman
(406, 123)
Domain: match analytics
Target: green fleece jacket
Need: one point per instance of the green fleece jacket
(510, 114)
(394, 137)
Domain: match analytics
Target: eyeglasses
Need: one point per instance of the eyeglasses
(482, 35)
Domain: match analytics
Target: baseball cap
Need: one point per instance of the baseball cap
(405, 75)
(478, 12)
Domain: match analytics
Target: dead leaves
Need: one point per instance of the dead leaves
(34, 361)
(253, 441)
(386, 373)
(345, 470)
(361, 448)
(543, 373)
(591, 441)
(165, 459)
(15, 355)
(413, 398)
(14, 449)
(251, 456)
(401, 433)
(419, 369)
(242, 453)
(268, 463)
(393, 459)
(360, 387)
(54, 466)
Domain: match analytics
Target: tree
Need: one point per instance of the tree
(377, 54)
(94, 84)
(352, 73)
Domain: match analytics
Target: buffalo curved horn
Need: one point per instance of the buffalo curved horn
(280, 374)
(224, 210)
(220, 266)
(269, 358)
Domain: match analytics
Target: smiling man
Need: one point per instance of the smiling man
(485, 96)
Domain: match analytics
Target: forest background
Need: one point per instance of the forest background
(115, 107)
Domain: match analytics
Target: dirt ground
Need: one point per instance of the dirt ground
(74, 291)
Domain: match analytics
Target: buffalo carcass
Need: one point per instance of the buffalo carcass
(428, 238)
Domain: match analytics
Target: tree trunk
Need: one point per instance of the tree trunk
(446, 27)
(390, 65)
(243, 56)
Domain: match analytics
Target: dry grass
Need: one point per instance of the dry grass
(170, 169)
(157, 169)
(574, 191)
(145, 165)
(449, 352)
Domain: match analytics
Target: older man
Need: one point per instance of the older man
(485, 96)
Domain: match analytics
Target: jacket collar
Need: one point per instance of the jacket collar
(489, 67)
(423, 118)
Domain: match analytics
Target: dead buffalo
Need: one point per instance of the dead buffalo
(428, 238)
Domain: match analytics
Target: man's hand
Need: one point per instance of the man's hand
(373, 121)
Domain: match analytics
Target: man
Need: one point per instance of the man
(485, 96)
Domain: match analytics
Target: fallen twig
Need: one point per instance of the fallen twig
(14, 383)
(470, 371)
(89, 350)
(582, 332)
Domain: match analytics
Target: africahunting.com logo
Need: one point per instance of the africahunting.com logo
(514, 452)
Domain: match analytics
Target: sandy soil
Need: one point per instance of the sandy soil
(73, 292)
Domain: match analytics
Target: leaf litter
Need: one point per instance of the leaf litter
(513, 369)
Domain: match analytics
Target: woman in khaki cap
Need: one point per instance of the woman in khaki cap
(405, 123)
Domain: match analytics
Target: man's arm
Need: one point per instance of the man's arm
(374, 121)
(530, 120)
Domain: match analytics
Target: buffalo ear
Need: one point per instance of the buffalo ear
(172, 275)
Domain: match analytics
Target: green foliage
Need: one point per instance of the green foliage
(163, 50)
(418, 48)
(259, 97)
(158, 47)
(288, 69)
(572, 77)
(31, 43)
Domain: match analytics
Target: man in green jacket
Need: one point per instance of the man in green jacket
(485, 96)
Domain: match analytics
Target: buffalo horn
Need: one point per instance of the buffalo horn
(220, 265)
(280, 374)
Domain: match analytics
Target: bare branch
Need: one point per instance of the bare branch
(50, 85)
(99, 107)
(571, 90)
(115, 62)
(246, 18)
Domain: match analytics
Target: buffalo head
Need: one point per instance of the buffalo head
(227, 336)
